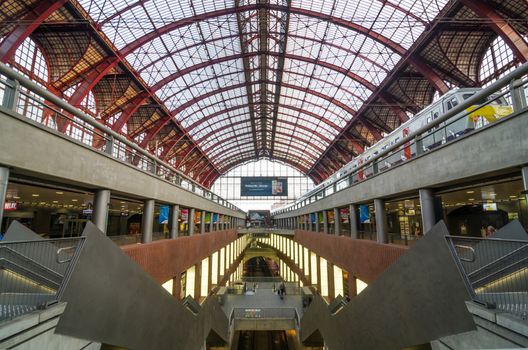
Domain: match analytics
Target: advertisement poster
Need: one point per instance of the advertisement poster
(164, 214)
(215, 218)
(345, 215)
(207, 218)
(184, 215)
(364, 216)
(263, 186)
(197, 217)
(320, 217)
(312, 218)
(331, 217)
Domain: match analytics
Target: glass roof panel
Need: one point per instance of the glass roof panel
(323, 75)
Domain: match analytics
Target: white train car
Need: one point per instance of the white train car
(446, 131)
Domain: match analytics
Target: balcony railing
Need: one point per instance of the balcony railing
(24, 97)
(512, 88)
(495, 271)
(33, 274)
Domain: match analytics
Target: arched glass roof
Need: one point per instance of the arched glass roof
(275, 78)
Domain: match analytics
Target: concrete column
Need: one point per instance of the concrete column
(202, 222)
(211, 226)
(525, 182)
(4, 179)
(174, 223)
(325, 222)
(176, 287)
(427, 209)
(100, 213)
(353, 221)
(310, 224)
(316, 222)
(381, 220)
(352, 286)
(190, 220)
(147, 221)
(337, 221)
(331, 282)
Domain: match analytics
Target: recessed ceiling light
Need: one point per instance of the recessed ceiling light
(16, 197)
(470, 192)
(471, 199)
(59, 192)
(513, 197)
(74, 200)
(55, 201)
(35, 195)
(122, 202)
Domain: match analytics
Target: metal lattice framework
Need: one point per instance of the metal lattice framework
(209, 84)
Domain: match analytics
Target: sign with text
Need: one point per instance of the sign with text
(263, 186)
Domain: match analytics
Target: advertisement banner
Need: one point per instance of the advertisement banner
(207, 218)
(184, 215)
(215, 218)
(312, 218)
(331, 217)
(197, 217)
(263, 186)
(164, 214)
(364, 216)
(344, 215)
(320, 217)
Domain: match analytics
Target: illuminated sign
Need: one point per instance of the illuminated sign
(10, 206)
(489, 206)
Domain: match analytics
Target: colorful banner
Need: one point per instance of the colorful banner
(312, 218)
(197, 217)
(184, 215)
(331, 217)
(344, 215)
(207, 218)
(164, 214)
(364, 216)
(215, 218)
(320, 217)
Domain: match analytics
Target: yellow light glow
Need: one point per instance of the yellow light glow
(189, 285)
(360, 285)
(324, 276)
(204, 275)
(313, 267)
(168, 285)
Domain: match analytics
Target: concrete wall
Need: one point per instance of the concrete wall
(36, 331)
(30, 149)
(500, 148)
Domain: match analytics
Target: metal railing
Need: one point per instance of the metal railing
(265, 313)
(495, 271)
(24, 97)
(513, 88)
(33, 274)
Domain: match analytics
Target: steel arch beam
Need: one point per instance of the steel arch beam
(226, 141)
(284, 121)
(501, 27)
(423, 68)
(218, 60)
(154, 130)
(341, 48)
(26, 26)
(286, 71)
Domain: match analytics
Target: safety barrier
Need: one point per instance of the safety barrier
(512, 88)
(495, 271)
(33, 274)
(23, 96)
